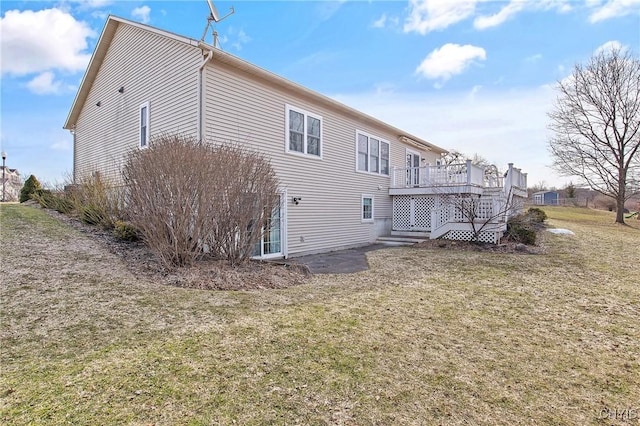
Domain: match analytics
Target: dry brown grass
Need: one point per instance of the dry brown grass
(426, 336)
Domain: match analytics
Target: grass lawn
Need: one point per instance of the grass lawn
(426, 336)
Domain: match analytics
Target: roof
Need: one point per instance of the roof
(98, 56)
(545, 192)
(109, 31)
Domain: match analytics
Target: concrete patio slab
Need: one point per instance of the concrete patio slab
(337, 262)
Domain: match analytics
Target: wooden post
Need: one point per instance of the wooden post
(392, 184)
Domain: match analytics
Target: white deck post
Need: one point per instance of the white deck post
(468, 172)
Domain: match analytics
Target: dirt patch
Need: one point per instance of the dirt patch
(503, 247)
(208, 274)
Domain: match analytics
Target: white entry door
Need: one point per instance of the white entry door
(273, 241)
(413, 168)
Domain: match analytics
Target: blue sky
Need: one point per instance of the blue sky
(472, 75)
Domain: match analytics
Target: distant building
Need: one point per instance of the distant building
(545, 198)
(12, 183)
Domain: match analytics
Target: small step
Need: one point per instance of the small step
(411, 234)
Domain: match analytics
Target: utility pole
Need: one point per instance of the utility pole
(4, 158)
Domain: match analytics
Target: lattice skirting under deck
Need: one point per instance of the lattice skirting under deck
(485, 236)
(412, 212)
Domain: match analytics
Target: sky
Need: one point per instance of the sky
(475, 76)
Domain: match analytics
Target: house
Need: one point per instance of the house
(11, 183)
(344, 175)
(548, 198)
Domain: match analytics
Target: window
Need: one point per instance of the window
(304, 132)
(363, 153)
(367, 208)
(373, 154)
(143, 140)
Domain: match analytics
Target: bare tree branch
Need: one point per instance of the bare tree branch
(596, 125)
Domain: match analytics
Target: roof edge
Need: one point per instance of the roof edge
(98, 55)
(112, 24)
(235, 61)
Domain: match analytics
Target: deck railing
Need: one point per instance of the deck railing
(456, 175)
(428, 176)
(462, 209)
(518, 179)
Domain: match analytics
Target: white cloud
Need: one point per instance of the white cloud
(516, 6)
(533, 58)
(238, 38)
(62, 145)
(384, 88)
(142, 13)
(45, 84)
(613, 9)
(609, 46)
(475, 90)
(379, 23)
(484, 22)
(430, 15)
(425, 16)
(561, 69)
(449, 60)
(94, 4)
(44, 40)
(100, 14)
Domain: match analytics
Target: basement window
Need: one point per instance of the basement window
(367, 208)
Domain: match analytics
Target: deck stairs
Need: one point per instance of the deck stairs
(399, 238)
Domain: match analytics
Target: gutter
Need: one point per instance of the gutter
(201, 89)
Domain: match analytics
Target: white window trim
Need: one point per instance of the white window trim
(146, 145)
(362, 218)
(287, 134)
(284, 249)
(381, 140)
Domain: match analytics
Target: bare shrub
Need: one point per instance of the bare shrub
(98, 201)
(189, 198)
(604, 202)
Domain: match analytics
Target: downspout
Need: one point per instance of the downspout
(73, 134)
(201, 90)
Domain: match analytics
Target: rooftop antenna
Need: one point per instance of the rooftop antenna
(214, 16)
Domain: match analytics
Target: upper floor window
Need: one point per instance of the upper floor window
(304, 132)
(373, 154)
(143, 139)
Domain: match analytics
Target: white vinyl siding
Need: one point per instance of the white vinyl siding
(367, 208)
(372, 154)
(304, 132)
(165, 76)
(244, 108)
(143, 137)
(245, 105)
